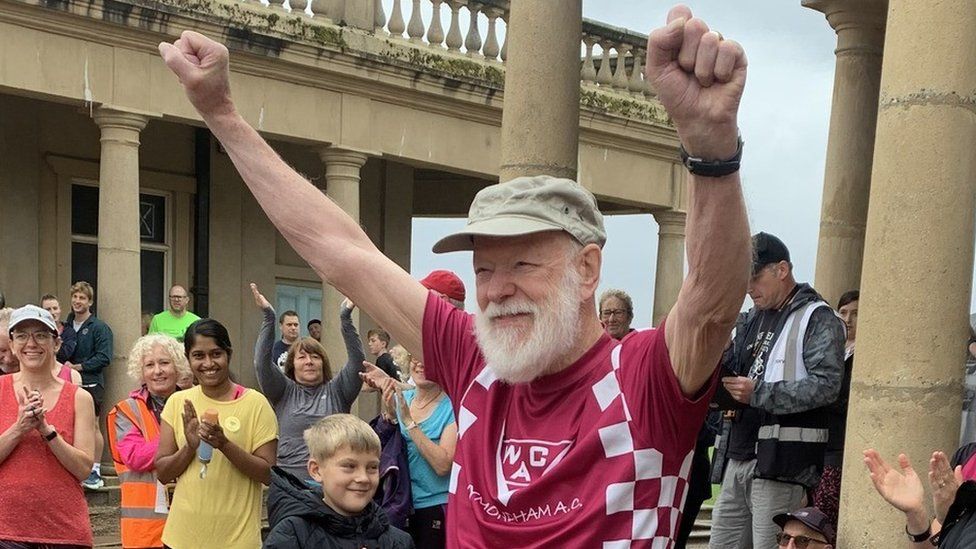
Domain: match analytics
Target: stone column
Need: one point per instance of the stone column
(847, 177)
(918, 260)
(342, 176)
(670, 270)
(540, 119)
(119, 294)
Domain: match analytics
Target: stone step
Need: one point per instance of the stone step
(108, 496)
(104, 520)
(107, 542)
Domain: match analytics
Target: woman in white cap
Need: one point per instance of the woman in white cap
(47, 441)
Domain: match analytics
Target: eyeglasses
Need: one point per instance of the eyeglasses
(41, 338)
(801, 542)
(178, 297)
(607, 313)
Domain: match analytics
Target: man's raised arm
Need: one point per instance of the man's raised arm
(329, 240)
(699, 78)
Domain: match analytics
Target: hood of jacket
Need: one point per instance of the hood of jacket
(291, 496)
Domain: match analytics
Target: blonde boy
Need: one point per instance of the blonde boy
(345, 459)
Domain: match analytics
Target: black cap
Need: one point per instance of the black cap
(812, 517)
(313, 321)
(767, 249)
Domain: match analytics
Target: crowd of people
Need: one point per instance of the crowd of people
(543, 419)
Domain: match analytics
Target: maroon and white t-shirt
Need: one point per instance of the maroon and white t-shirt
(597, 455)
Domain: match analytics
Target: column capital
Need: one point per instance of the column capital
(860, 26)
(670, 222)
(333, 155)
(122, 118)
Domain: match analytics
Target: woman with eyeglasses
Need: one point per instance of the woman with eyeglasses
(616, 313)
(47, 442)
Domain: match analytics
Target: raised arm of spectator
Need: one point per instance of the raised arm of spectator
(270, 379)
(823, 357)
(699, 78)
(102, 356)
(320, 231)
(348, 383)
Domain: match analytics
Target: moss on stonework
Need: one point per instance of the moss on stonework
(447, 65)
(328, 36)
(295, 25)
(609, 103)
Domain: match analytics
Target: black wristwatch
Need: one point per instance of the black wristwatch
(919, 538)
(712, 168)
(52, 435)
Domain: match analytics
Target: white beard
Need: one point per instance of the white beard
(517, 357)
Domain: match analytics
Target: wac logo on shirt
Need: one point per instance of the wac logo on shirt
(523, 461)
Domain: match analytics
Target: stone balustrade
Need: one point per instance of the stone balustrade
(612, 58)
(470, 27)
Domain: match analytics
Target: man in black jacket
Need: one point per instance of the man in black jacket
(784, 367)
(90, 355)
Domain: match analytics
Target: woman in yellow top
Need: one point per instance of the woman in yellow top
(221, 508)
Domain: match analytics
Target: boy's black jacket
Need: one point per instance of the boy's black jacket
(300, 519)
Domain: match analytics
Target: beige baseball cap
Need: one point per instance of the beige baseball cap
(527, 205)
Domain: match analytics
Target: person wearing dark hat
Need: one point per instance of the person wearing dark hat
(566, 436)
(803, 528)
(314, 327)
(782, 370)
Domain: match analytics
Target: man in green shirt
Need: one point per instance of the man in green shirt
(177, 319)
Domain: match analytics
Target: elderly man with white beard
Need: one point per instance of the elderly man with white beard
(567, 437)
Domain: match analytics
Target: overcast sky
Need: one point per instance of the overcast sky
(784, 120)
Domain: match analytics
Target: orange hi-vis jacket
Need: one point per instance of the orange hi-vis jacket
(142, 496)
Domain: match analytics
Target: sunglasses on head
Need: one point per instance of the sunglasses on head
(801, 542)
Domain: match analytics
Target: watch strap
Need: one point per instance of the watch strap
(712, 168)
(52, 435)
(919, 538)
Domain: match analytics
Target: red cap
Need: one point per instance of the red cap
(445, 282)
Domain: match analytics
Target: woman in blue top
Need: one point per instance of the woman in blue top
(428, 425)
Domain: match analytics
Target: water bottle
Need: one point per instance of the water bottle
(205, 450)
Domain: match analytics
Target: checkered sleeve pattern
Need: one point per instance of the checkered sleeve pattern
(654, 521)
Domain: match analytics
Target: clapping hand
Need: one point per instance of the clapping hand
(30, 411)
(903, 490)
(944, 482)
(213, 434)
(191, 425)
(393, 396)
